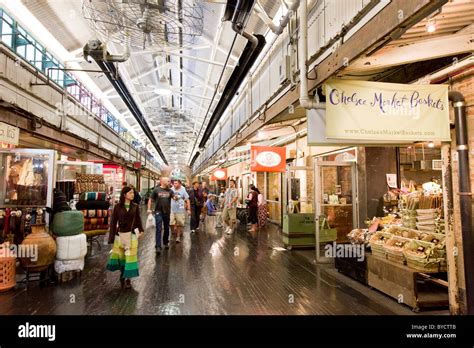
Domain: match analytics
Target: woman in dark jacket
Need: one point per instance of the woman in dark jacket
(125, 218)
(253, 208)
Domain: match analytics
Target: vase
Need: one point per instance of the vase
(39, 249)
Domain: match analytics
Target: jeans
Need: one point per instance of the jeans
(162, 219)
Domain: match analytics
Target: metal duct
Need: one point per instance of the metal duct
(116, 81)
(240, 12)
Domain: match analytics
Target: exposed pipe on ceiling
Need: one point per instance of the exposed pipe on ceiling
(116, 81)
(305, 101)
(277, 29)
(465, 194)
(238, 11)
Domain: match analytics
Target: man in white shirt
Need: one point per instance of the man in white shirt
(230, 207)
(179, 205)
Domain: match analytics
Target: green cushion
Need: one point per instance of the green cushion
(68, 223)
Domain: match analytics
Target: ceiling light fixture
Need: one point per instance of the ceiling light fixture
(431, 144)
(431, 25)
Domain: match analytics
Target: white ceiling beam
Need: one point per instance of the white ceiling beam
(186, 56)
(215, 46)
(220, 49)
(415, 52)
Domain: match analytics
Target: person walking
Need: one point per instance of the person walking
(161, 196)
(253, 208)
(230, 207)
(136, 197)
(205, 193)
(262, 212)
(196, 199)
(179, 206)
(124, 227)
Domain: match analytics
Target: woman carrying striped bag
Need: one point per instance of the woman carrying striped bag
(125, 230)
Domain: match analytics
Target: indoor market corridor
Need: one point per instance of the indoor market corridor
(208, 274)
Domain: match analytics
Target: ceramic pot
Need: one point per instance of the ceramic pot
(41, 243)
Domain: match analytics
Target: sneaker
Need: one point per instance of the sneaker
(193, 231)
(158, 250)
(178, 240)
(167, 245)
(229, 230)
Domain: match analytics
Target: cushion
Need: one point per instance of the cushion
(68, 223)
(92, 196)
(71, 247)
(92, 205)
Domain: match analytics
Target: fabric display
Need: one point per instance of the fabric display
(93, 196)
(71, 247)
(95, 213)
(68, 223)
(96, 221)
(95, 227)
(96, 178)
(61, 266)
(89, 187)
(92, 205)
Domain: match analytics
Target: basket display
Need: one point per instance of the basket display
(419, 256)
(439, 242)
(403, 232)
(7, 273)
(377, 243)
(394, 248)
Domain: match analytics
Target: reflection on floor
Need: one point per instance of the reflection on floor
(208, 273)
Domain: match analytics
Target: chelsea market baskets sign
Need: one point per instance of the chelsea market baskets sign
(386, 112)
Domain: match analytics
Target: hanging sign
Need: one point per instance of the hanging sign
(9, 134)
(392, 180)
(378, 111)
(317, 133)
(219, 174)
(267, 159)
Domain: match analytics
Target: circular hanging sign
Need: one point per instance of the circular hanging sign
(268, 159)
(220, 174)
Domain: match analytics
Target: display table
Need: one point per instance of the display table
(406, 285)
(352, 267)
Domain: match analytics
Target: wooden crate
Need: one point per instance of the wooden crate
(406, 285)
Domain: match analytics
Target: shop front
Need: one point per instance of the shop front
(379, 207)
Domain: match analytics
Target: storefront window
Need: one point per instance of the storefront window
(273, 192)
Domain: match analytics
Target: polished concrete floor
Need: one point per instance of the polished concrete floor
(208, 273)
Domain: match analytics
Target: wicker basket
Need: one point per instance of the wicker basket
(431, 265)
(394, 250)
(377, 243)
(7, 273)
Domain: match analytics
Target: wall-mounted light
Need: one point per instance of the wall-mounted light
(431, 144)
